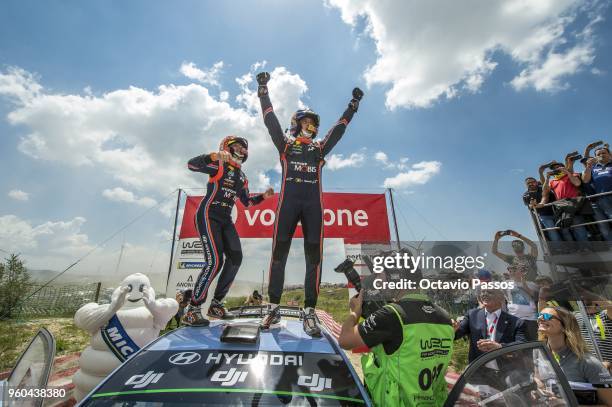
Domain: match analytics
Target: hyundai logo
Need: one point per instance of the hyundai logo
(184, 358)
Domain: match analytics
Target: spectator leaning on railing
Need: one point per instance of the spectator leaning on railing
(519, 258)
(564, 185)
(532, 196)
(598, 173)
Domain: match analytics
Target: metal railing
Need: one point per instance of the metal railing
(545, 244)
(541, 230)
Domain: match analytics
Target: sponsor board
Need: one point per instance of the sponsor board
(188, 372)
(191, 265)
(354, 217)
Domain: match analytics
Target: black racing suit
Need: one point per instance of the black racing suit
(214, 224)
(300, 201)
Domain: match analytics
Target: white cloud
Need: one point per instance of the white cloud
(286, 90)
(141, 138)
(383, 159)
(258, 66)
(60, 238)
(19, 195)
(208, 76)
(427, 52)
(419, 174)
(549, 75)
(263, 181)
(337, 161)
(119, 194)
(19, 85)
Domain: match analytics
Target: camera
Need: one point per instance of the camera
(574, 156)
(347, 267)
(373, 298)
(370, 301)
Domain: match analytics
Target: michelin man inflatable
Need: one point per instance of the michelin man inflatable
(119, 329)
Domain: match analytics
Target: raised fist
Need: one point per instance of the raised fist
(354, 103)
(263, 78)
(357, 93)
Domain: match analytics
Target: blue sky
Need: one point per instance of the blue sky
(464, 100)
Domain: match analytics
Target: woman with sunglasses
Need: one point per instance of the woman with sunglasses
(559, 329)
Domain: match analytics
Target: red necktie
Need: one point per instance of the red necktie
(492, 327)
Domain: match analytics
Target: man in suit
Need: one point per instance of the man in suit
(489, 327)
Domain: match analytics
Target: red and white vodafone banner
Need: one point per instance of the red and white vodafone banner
(353, 217)
(356, 218)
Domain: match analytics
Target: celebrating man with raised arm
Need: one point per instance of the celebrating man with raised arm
(300, 197)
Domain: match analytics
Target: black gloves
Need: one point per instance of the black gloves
(357, 95)
(262, 80)
(262, 90)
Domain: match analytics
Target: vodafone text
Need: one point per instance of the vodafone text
(339, 217)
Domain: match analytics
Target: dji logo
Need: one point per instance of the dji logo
(315, 382)
(143, 380)
(229, 377)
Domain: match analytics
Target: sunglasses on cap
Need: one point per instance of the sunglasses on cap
(547, 317)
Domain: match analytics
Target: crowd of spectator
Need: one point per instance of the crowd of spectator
(566, 199)
(580, 340)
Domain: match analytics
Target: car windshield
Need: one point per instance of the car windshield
(229, 377)
(525, 377)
